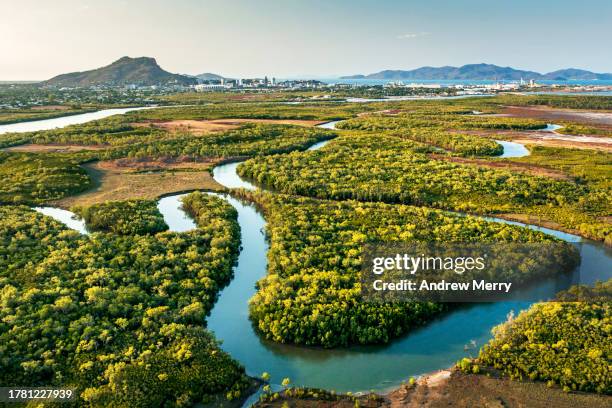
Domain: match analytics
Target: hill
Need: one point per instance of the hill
(479, 72)
(207, 76)
(573, 73)
(125, 71)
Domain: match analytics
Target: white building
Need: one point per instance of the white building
(209, 87)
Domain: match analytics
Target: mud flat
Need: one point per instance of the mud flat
(555, 114)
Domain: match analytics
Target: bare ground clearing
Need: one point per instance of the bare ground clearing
(115, 180)
(452, 388)
(50, 107)
(552, 114)
(202, 127)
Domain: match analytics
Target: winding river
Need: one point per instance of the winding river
(63, 121)
(435, 346)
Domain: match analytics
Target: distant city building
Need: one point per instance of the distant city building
(209, 87)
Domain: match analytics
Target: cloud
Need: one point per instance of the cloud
(409, 36)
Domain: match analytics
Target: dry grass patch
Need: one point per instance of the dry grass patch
(203, 127)
(556, 114)
(50, 108)
(123, 179)
(452, 388)
(195, 127)
(605, 146)
(456, 389)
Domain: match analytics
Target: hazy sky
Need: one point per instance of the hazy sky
(288, 38)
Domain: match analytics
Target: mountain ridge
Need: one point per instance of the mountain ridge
(480, 72)
(142, 71)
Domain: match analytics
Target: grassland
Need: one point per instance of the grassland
(116, 180)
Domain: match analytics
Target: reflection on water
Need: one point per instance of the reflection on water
(226, 175)
(171, 209)
(328, 125)
(318, 145)
(551, 127)
(66, 217)
(512, 149)
(64, 121)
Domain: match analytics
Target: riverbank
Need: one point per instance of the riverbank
(454, 388)
(31, 115)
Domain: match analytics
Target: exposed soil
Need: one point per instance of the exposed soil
(203, 127)
(452, 388)
(456, 389)
(556, 114)
(528, 168)
(571, 144)
(50, 108)
(148, 179)
(195, 127)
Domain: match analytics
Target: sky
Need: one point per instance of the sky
(302, 38)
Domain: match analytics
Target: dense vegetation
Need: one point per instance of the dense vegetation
(578, 129)
(383, 168)
(438, 118)
(124, 308)
(122, 138)
(36, 178)
(124, 217)
(312, 293)
(370, 167)
(589, 167)
(107, 312)
(249, 140)
(441, 127)
(564, 343)
(33, 178)
(322, 111)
